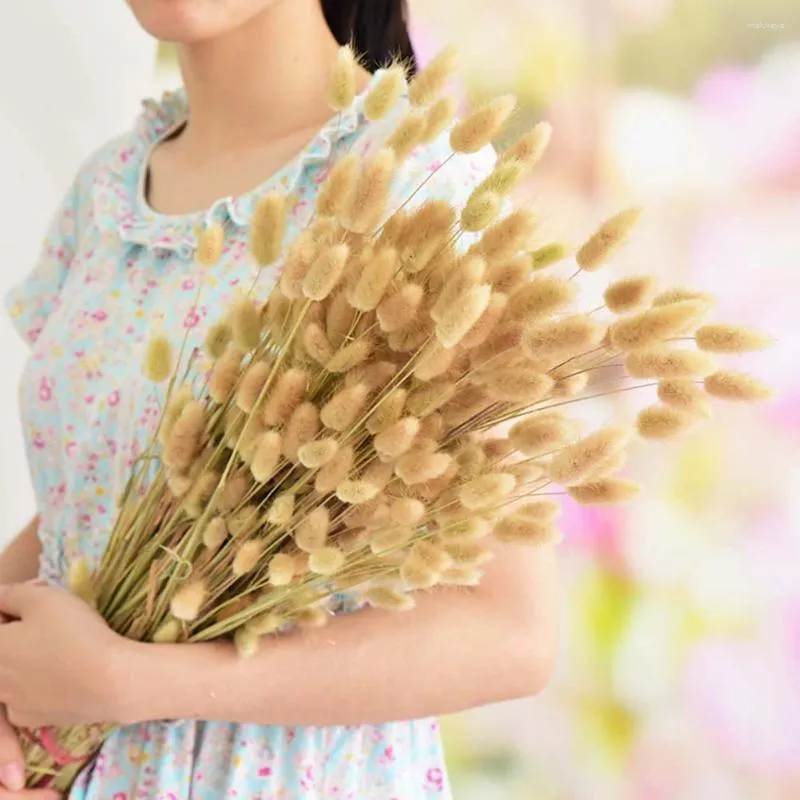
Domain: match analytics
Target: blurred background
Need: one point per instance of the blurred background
(680, 666)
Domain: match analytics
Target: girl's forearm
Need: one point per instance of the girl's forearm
(457, 649)
(19, 562)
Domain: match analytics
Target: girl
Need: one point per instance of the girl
(315, 714)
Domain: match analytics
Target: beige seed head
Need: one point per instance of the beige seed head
(200, 493)
(510, 275)
(243, 521)
(337, 185)
(730, 339)
(281, 511)
(187, 602)
(319, 453)
(365, 207)
(406, 510)
(266, 623)
(217, 340)
(542, 433)
(685, 395)
(281, 569)
(503, 240)
(80, 582)
(521, 384)
(541, 297)
(302, 253)
(177, 402)
(526, 473)
(429, 397)
(503, 178)
(247, 557)
(543, 509)
(303, 427)
(471, 460)
(549, 254)
(575, 463)
(158, 359)
(505, 339)
(352, 541)
(374, 280)
(489, 320)
(389, 599)
(487, 491)
(458, 319)
(469, 553)
(397, 439)
(169, 633)
(466, 403)
(312, 532)
(252, 385)
(398, 310)
(432, 427)
(665, 362)
(607, 239)
(388, 539)
(429, 83)
(215, 534)
(434, 361)
(418, 576)
(562, 338)
(736, 386)
(268, 228)
(604, 492)
(223, 378)
(465, 274)
(284, 398)
(430, 555)
(480, 211)
(266, 456)
(421, 466)
(530, 147)
(388, 410)
(335, 471)
(461, 575)
(246, 324)
(345, 407)
(356, 493)
(342, 84)
(653, 326)
(350, 356)
(438, 118)
(340, 319)
(232, 492)
(378, 474)
(629, 294)
(185, 437)
(661, 422)
(326, 272)
(470, 529)
(210, 244)
(680, 294)
(572, 386)
(482, 125)
(610, 467)
(375, 376)
(382, 98)
(247, 642)
(517, 529)
(316, 343)
(327, 561)
(407, 135)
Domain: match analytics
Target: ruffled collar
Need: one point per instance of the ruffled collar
(119, 190)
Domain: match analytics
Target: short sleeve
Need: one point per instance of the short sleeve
(31, 302)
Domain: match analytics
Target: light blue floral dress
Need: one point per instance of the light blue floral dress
(112, 268)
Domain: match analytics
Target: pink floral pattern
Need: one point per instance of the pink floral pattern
(110, 270)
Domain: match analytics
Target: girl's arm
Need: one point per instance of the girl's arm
(19, 562)
(457, 649)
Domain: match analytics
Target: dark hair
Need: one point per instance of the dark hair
(377, 29)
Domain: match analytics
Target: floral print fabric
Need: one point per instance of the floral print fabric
(111, 270)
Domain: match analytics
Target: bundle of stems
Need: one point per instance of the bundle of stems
(397, 406)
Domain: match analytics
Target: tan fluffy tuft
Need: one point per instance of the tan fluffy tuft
(736, 386)
(660, 422)
(530, 147)
(303, 427)
(397, 311)
(665, 362)
(518, 529)
(319, 453)
(549, 254)
(383, 97)
(246, 324)
(651, 327)
(158, 359)
(285, 396)
(730, 339)
(210, 245)
(685, 395)
(482, 125)
(407, 135)
(541, 297)
(506, 238)
(629, 294)
(421, 466)
(458, 318)
(215, 534)
(365, 207)
(338, 184)
(481, 211)
(487, 491)
(342, 84)
(281, 511)
(542, 433)
(608, 238)
(521, 384)
(438, 118)
(389, 599)
(252, 385)
(187, 602)
(604, 492)
(268, 228)
(431, 81)
(326, 561)
(397, 439)
(575, 463)
(345, 407)
(356, 493)
(325, 273)
(312, 532)
(247, 557)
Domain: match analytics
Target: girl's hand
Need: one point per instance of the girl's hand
(59, 662)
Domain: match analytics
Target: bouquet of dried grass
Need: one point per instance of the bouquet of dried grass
(399, 401)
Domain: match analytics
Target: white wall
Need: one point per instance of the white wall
(71, 76)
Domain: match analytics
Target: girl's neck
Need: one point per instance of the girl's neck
(262, 82)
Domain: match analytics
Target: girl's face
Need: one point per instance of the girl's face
(186, 21)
